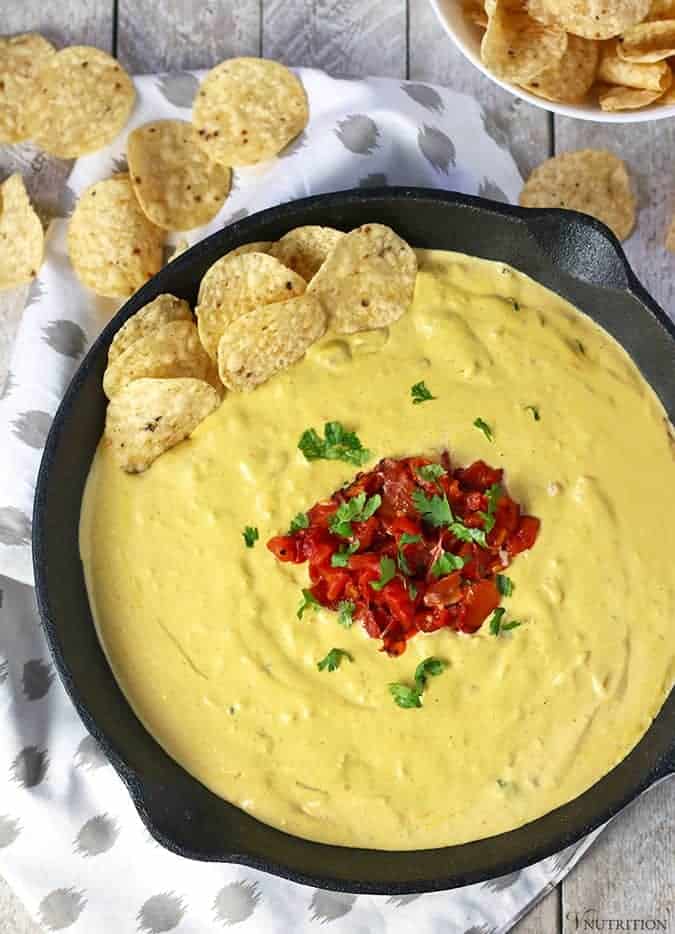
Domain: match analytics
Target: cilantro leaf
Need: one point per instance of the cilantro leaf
(406, 539)
(512, 625)
(412, 590)
(337, 444)
(356, 509)
(465, 534)
(434, 509)
(301, 521)
(251, 535)
(419, 393)
(446, 564)
(505, 585)
(431, 472)
(333, 659)
(405, 696)
(496, 620)
(430, 667)
(346, 613)
(484, 427)
(340, 559)
(309, 601)
(387, 573)
(493, 493)
(535, 412)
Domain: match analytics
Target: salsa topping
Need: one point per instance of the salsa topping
(412, 546)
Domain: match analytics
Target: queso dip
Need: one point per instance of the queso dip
(202, 633)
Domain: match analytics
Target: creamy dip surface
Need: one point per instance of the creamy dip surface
(202, 633)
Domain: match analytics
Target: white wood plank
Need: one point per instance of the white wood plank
(649, 150)
(526, 130)
(177, 34)
(630, 872)
(344, 37)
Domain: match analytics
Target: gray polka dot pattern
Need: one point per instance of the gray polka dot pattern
(120, 165)
(161, 913)
(436, 147)
(425, 96)
(32, 428)
(236, 902)
(61, 908)
(488, 189)
(89, 755)
(179, 89)
(402, 900)
(97, 836)
(10, 384)
(35, 292)
(37, 679)
(65, 337)
(66, 202)
(501, 882)
(9, 830)
(237, 216)
(479, 929)
(30, 766)
(15, 527)
(374, 180)
(4, 670)
(327, 906)
(358, 134)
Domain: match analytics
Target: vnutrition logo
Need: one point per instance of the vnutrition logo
(590, 920)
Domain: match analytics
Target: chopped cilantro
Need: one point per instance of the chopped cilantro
(356, 509)
(465, 534)
(340, 559)
(338, 444)
(512, 625)
(346, 613)
(308, 602)
(406, 539)
(251, 535)
(429, 667)
(387, 573)
(446, 564)
(420, 393)
(412, 590)
(434, 509)
(431, 472)
(484, 427)
(535, 412)
(505, 585)
(496, 620)
(301, 521)
(405, 696)
(493, 493)
(333, 659)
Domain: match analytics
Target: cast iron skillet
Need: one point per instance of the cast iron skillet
(571, 254)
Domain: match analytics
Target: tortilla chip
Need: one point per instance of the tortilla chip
(149, 416)
(22, 239)
(160, 311)
(268, 339)
(83, 100)
(614, 70)
(570, 78)
(367, 281)
(475, 11)
(235, 285)
(305, 249)
(590, 19)
(180, 247)
(21, 57)
(112, 245)
(247, 110)
(648, 42)
(259, 246)
(615, 98)
(592, 181)
(176, 183)
(170, 351)
(661, 9)
(669, 96)
(516, 47)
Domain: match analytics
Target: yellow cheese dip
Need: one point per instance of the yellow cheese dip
(202, 634)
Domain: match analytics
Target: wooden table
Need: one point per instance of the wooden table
(630, 873)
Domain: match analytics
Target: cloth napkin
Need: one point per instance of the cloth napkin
(71, 843)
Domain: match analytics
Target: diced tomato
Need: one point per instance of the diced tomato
(478, 476)
(524, 537)
(287, 548)
(480, 599)
(444, 592)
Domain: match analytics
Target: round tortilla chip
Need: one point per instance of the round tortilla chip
(615, 98)
(248, 109)
(590, 19)
(305, 249)
(661, 9)
(517, 47)
(258, 246)
(22, 238)
(150, 318)
(592, 181)
(268, 339)
(614, 70)
(112, 245)
(235, 285)
(149, 416)
(21, 57)
(176, 183)
(82, 100)
(570, 78)
(367, 281)
(172, 350)
(648, 42)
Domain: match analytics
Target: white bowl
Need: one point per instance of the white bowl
(467, 36)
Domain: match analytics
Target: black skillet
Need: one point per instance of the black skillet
(572, 255)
